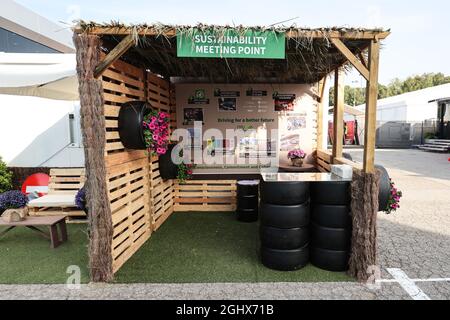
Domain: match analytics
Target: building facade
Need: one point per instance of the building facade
(41, 132)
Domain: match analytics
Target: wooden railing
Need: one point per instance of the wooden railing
(324, 161)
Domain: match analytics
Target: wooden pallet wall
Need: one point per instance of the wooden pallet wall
(161, 195)
(133, 178)
(128, 186)
(324, 161)
(205, 195)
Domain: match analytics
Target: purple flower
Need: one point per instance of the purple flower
(80, 199)
(297, 154)
(13, 200)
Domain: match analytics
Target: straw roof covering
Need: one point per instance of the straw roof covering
(309, 53)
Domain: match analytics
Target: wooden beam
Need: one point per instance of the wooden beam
(351, 57)
(320, 107)
(114, 55)
(371, 108)
(172, 32)
(363, 60)
(338, 114)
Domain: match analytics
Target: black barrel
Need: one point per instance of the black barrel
(247, 200)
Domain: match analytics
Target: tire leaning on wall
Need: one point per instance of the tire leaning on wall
(385, 188)
(130, 124)
(167, 169)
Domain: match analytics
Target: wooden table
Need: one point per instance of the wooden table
(34, 223)
(305, 168)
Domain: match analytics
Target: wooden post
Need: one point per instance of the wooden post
(320, 106)
(371, 108)
(338, 114)
(93, 129)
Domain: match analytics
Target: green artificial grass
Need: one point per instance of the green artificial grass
(188, 248)
(209, 247)
(26, 257)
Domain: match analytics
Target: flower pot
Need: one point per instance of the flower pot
(167, 169)
(297, 162)
(131, 130)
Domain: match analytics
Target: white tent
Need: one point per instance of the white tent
(51, 76)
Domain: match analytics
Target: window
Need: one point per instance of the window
(11, 42)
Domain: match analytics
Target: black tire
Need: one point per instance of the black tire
(385, 188)
(247, 215)
(284, 217)
(330, 238)
(167, 169)
(331, 216)
(284, 239)
(347, 156)
(331, 193)
(285, 193)
(131, 131)
(330, 260)
(285, 260)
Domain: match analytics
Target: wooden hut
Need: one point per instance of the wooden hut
(118, 63)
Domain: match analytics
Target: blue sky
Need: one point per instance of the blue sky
(419, 41)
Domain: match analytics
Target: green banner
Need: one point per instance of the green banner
(231, 44)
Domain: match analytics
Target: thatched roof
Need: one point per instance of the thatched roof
(309, 53)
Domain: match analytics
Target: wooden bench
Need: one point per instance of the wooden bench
(60, 200)
(34, 223)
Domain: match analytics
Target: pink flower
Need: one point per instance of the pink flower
(161, 151)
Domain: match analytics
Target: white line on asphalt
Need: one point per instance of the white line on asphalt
(415, 280)
(407, 284)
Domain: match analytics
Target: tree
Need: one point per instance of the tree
(356, 96)
(5, 177)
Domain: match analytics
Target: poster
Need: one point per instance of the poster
(227, 104)
(289, 141)
(226, 94)
(256, 93)
(199, 97)
(296, 122)
(191, 115)
(283, 102)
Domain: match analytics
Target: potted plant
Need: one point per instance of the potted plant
(15, 205)
(297, 156)
(80, 200)
(184, 172)
(394, 199)
(156, 132)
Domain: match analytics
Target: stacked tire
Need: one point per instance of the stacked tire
(284, 228)
(247, 201)
(331, 225)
